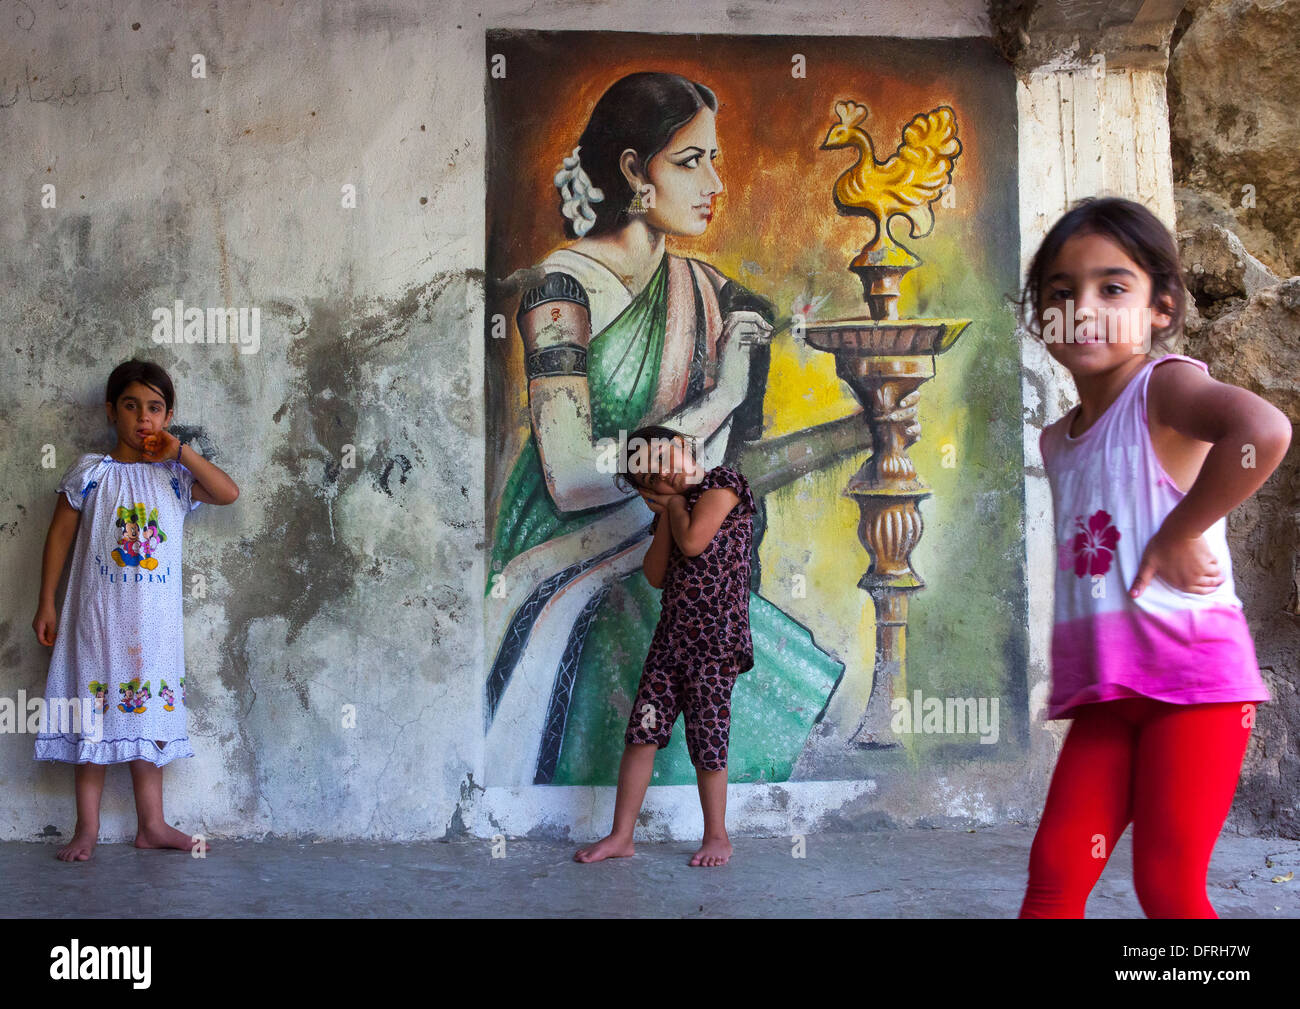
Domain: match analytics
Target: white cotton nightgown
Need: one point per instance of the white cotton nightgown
(119, 653)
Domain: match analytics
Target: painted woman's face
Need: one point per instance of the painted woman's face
(684, 178)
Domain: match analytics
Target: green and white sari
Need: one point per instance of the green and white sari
(568, 612)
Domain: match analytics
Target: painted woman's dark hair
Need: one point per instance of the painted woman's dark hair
(625, 479)
(1141, 235)
(641, 111)
(145, 372)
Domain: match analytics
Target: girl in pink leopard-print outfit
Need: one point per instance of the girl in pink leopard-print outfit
(699, 556)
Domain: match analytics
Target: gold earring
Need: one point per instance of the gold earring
(636, 206)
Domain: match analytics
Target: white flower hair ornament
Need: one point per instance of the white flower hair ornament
(579, 194)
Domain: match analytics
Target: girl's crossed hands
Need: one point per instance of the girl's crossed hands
(658, 503)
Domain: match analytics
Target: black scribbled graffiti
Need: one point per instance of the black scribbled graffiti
(399, 460)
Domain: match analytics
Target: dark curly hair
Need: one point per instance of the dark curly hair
(1141, 235)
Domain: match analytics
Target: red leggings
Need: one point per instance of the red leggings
(1170, 770)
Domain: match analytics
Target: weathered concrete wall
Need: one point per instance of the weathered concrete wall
(336, 581)
(327, 584)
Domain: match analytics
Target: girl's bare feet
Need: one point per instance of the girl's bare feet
(163, 836)
(713, 851)
(611, 846)
(82, 844)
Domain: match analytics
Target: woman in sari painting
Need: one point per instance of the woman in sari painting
(621, 333)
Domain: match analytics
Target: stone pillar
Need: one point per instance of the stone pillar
(1093, 121)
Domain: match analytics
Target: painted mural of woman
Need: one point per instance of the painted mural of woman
(619, 334)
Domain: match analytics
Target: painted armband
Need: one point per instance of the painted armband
(554, 320)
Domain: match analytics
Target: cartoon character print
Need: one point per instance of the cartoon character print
(139, 537)
(99, 692)
(134, 695)
(168, 696)
(182, 689)
(152, 535)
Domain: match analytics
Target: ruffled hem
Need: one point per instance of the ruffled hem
(74, 750)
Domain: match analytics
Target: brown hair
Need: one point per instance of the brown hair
(624, 478)
(145, 372)
(1137, 231)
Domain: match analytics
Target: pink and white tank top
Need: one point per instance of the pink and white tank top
(1109, 496)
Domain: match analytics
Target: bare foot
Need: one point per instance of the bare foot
(163, 836)
(606, 847)
(713, 851)
(81, 845)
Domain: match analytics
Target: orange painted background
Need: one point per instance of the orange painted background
(775, 229)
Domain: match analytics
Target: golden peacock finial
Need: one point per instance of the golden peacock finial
(903, 186)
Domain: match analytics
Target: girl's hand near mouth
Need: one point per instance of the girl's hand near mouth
(160, 446)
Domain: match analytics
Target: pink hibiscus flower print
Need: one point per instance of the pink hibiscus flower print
(1094, 544)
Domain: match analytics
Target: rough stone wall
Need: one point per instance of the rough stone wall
(1229, 79)
(1232, 86)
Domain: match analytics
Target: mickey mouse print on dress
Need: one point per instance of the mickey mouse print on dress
(122, 644)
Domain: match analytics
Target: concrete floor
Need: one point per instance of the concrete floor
(887, 874)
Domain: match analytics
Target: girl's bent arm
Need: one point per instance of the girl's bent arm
(1249, 434)
(211, 483)
(694, 530)
(655, 564)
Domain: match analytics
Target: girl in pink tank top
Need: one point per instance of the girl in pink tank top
(1110, 496)
(1151, 654)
